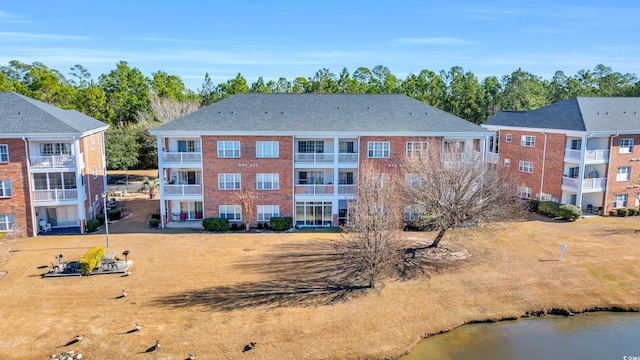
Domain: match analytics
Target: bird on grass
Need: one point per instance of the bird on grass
(79, 338)
(138, 327)
(191, 357)
(157, 346)
(249, 346)
(124, 293)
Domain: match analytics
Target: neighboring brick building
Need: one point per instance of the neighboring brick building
(298, 153)
(578, 151)
(51, 166)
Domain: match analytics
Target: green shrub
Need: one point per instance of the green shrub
(154, 222)
(100, 218)
(259, 226)
(532, 205)
(114, 214)
(155, 216)
(215, 224)
(549, 208)
(571, 212)
(281, 223)
(612, 213)
(631, 212)
(91, 259)
(92, 225)
(622, 212)
(637, 212)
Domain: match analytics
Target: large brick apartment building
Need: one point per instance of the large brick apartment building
(298, 153)
(52, 166)
(578, 151)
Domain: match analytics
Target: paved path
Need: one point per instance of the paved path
(140, 210)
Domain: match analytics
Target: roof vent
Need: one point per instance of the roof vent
(232, 111)
(606, 113)
(427, 113)
(283, 112)
(219, 111)
(368, 107)
(598, 113)
(338, 107)
(411, 113)
(266, 112)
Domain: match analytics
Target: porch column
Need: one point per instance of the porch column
(336, 178)
(583, 152)
(163, 211)
(82, 194)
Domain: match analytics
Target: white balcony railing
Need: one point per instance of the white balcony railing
(55, 194)
(348, 157)
(314, 189)
(595, 183)
(52, 161)
(346, 189)
(315, 158)
(182, 157)
(590, 155)
(492, 157)
(182, 190)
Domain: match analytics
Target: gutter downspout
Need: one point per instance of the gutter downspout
(544, 159)
(606, 189)
(34, 223)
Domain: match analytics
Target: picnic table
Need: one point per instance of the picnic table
(109, 259)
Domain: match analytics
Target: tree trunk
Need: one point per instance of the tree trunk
(126, 185)
(436, 241)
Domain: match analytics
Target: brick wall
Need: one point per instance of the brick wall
(397, 150)
(19, 203)
(553, 163)
(92, 157)
(631, 187)
(248, 166)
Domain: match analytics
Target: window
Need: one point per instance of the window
(527, 140)
(267, 181)
(93, 143)
(48, 181)
(231, 212)
(476, 145)
(576, 144)
(624, 173)
(69, 180)
(454, 146)
(345, 178)
(347, 147)
(4, 153)
(7, 222)
(266, 212)
(49, 149)
(574, 172)
(507, 138)
(5, 188)
(228, 181)
(638, 200)
(524, 192)
(310, 146)
(267, 149)
(377, 180)
(507, 162)
(526, 166)
(620, 201)
(228, 149)
(626, 146)
(378, 149)
(95, 172)
(413, 181)
(192, 146)
(416, 148)
(411, 213)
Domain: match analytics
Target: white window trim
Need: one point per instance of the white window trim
(272, 178)
(95, 172)
(528, 141)
(623, 175)
(4, 153)
(524, 192)
(93, 142)
(384, 150)
(5, 187)
(507, 138)
(237, 212)
(416, 148)
(272, 151)
(507, 162)
(223, 181)
(274, 210)
(623, 204)
(222, 149)
(628, 148)
(9, 222)
(525, 166)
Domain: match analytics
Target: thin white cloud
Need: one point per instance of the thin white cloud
(21, 37)
(6, 17)
(168, 40)
(435, 41)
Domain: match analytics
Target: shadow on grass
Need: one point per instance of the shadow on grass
(302, 275)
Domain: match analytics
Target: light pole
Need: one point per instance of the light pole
(106, 216)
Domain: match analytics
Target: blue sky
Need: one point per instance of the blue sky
(274, 38)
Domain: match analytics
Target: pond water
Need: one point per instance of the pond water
(598, 335)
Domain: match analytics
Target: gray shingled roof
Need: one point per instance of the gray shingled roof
(363, 113)
(21, 115)
(606, 114)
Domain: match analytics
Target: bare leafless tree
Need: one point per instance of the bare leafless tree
(457, 188)
(166, 109)
(372, 241)
(248, 200)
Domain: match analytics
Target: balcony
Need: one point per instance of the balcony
(314, 189)
(492, 157)
(55, 194)
(182, 190)
(52, 161)
(315, 158)
(182, 157)
(346, 189)
(588, 185)
(590, 156)
(348, 158)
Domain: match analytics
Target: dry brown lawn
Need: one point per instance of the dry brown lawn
(211, 294)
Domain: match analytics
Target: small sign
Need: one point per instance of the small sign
(562, 249)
